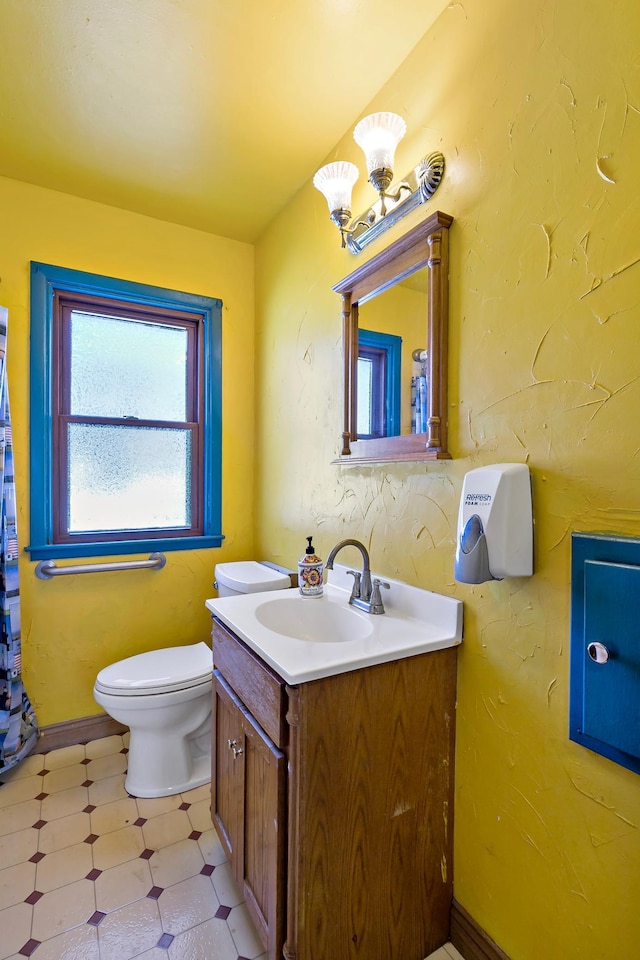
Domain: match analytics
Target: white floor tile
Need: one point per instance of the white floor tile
(29, 767)
(187, 904)
(208, 939)
(65, 757)
(247, 941)
(15, 923)
(452, 952)
(446, 952)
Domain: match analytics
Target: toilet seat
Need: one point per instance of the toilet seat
(158, 671)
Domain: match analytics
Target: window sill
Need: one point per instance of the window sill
(118, 548)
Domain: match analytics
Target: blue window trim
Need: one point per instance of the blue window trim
(45, 280)
(392, 345)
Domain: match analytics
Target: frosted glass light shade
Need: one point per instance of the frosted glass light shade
(335, 182)
(378, 135)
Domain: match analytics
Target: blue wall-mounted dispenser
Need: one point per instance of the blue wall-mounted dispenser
(604, 711)
(495, 524)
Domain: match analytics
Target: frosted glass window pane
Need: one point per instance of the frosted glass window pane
(128, 478)
(365, 397)
(127, 368)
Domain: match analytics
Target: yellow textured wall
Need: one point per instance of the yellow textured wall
(73, 626)
(537, 108)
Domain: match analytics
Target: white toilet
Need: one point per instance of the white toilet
(164, 697)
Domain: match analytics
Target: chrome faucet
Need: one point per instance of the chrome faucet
(363, 595)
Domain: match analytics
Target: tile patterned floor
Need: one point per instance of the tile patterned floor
(89, 873)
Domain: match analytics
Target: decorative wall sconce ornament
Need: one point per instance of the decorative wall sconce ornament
(378, 135)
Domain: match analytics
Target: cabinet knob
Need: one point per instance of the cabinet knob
(598, 652)
(233, 746)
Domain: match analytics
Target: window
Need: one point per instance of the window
(379, 358)
(125, 416)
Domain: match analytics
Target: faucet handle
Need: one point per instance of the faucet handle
(376, 600)
(357, 576)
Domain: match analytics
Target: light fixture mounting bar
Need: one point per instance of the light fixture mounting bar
(416, 188)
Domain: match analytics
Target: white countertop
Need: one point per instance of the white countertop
(416, 621)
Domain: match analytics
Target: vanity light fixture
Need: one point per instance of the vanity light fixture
(378, 135)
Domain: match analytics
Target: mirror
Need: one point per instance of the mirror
(391, 384)
(394, 310)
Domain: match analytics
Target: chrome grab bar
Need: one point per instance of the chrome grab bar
(47, 568)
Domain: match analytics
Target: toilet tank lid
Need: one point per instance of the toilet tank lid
(172, 666)
(250, 576)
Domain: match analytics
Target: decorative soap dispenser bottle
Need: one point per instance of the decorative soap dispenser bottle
(310, 572)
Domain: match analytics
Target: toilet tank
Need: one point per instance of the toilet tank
(248, 576)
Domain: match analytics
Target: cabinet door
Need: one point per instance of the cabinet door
(264, 834)
(227, 777)
(249, 811)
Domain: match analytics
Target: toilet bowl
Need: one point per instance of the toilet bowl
(164, 697)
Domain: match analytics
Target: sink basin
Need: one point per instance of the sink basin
(313, 619)
(308, 638)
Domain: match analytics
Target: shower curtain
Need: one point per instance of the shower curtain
(18, 724)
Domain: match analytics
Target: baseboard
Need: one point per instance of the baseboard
(70, 732)
(470, 939)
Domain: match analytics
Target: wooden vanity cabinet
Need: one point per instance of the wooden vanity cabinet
(248, 782)
(337, 811)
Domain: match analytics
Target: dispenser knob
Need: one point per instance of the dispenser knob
(598, 652)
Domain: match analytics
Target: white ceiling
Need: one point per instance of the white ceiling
(209, 113)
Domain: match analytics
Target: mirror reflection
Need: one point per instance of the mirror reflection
(392, 360)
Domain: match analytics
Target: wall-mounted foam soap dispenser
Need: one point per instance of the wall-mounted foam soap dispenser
(495, 524)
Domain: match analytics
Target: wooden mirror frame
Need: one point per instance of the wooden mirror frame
(427, 244)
